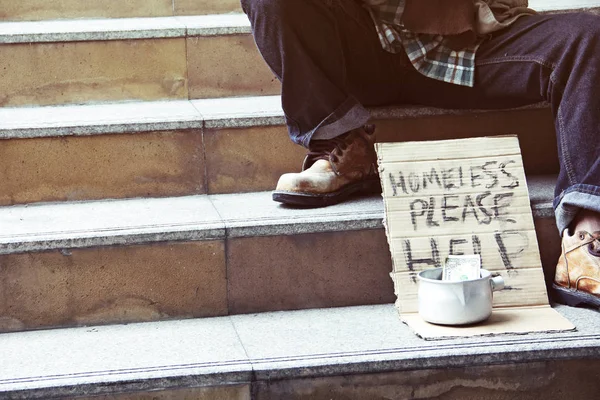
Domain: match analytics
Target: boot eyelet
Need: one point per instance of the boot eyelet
(581, 236)
(594, 251)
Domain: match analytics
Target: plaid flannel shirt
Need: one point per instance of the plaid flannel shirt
(429, 54)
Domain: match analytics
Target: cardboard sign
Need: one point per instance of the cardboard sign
(465, 196)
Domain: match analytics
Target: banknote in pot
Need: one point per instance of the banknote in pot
(462, 268)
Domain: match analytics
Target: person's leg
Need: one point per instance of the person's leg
(554, 59)
(328, 57)
(551, 58)
(541, 58)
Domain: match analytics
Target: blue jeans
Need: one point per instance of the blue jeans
(327, 55)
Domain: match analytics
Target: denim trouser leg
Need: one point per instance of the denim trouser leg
(551, 58)
(326, 54)
(328, 57)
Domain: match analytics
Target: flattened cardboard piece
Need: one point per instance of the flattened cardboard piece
(520, 320)
(464, 196)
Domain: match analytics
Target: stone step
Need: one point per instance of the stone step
(103, 60)
(351, 353)
(38, 10)
(214, 146)
(551, 6)
(93, 263)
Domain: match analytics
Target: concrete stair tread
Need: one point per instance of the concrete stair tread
(96, 223)
(29, 122)
(122, 28)
(550, 5)
(180, 26)
(145, 116)
(204, 217)
(81, 224)
(88, 119)
(248, 348)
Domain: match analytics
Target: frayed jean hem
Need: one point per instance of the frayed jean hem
(575, 198)
(350, 115)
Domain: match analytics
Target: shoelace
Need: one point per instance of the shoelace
(322, 149)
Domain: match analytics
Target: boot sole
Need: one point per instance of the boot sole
(369, 186)
(574, 298)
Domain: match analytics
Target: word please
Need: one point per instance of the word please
(489, 175)
(482, 208)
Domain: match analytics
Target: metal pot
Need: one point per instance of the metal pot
(456, 303)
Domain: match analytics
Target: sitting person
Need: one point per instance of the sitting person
(336, 57)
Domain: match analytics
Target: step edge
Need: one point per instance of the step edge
(199, 114)
(234, 23)
(401, 356)
(183, 377)
(565, 350)
(96, 119)
(101, 29)
(99, 129)
(206, 232)
(545, 5)
(109, 29)
(247, 374)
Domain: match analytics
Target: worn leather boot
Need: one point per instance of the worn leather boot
(577, 279)
(333, 170)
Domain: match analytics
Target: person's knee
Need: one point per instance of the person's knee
(592, 26)
(583, 26)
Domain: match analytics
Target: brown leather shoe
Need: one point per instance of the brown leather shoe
(577, 279)
(333, 170)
